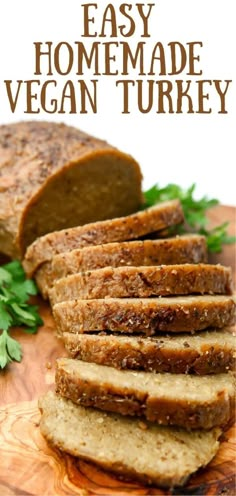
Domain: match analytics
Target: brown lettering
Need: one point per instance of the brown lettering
(38, 55)
(181, 93)
(125, 84)
(90, 58)
(164, 92)
(88, 20)
(109, 16)
(182, 60)
(53, 101)
(57, 58)
(31, 96)
(222, 94)
(109, 58)
(68, 95)
(150, 85)
(158, 54)
(13, 100)
(203, 96)
(145, 18)
(87, 95)
(122, 27)
(134, 60)
(192, 58)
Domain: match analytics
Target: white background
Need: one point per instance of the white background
(170, 148)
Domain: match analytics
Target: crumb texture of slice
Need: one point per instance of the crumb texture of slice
(177, 250)
(145, 315)
(207, 352)
(160, 455)
(47, 169)
(152, 219)
(192, 402)
(143, 282)
(190, 248)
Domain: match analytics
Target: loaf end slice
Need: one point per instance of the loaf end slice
(209, 352)
(157, 455)
(44, 165)
(184, 400)
(145, 315)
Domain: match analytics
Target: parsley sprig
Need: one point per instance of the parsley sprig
(15, 290)
(194, 212)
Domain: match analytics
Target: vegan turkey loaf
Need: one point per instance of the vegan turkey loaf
(207, 352)
(160, 455)
(176, 250)
(189, 248)
(143, 282)
(145, 315)
(120, 229)
(53, 176)
(184, 400)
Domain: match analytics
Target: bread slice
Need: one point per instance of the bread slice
(120, 229)
(189, 248)
(54, 176)
(185, 400)
(143, 282)
(207, 352)
(145, 315)
(153, 454)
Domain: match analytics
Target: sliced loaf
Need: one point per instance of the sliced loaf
(185, 400)
(189, 248)
(120, 229)
(145, 315)
(160, 455)
(143, 282)
(207, 352)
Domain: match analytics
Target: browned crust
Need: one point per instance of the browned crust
(32, 154)
(143, 282)
(177, 250)
(188, 248)
(153, 354)
(147, 316)
(120, 229)
(164, 411)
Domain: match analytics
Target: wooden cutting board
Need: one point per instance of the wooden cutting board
(29, 467)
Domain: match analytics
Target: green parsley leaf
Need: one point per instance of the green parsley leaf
(22, 316)
(5, 277)
(15, 310)
(16, 270)
(6, 319)
(194, 212)
(217, 237)
(4, 357)
(10, 350)
(14, 349)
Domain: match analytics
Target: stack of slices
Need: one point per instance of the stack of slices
(148, 386)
